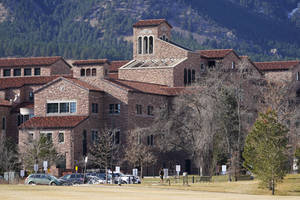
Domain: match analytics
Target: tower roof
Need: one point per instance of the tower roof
(151, 22)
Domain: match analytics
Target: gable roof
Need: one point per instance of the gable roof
(32, 61)
(54, 122)
(149, 88)
(17, 82)
(151, 22)
(215, 53)
(90, 62)
(74, 81)
(4, 102)
(276, 65)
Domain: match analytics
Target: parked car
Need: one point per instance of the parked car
(76, 178)
(130, 179)
(43, 179)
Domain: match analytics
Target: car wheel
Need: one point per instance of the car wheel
(31, 183)
(52, 183)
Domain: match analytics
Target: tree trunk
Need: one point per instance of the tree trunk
(273, 187)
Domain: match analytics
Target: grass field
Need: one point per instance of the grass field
(218, 189)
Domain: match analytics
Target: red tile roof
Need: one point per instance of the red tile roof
(83, 84)
(115, 65)
(149, 88)
(4, 102)
(33, 61)
(150, 22)
(276, 65)
(53, 122)
(215, 53)
(90, 62)
(18, 82)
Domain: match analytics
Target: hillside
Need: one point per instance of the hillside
(263, 29)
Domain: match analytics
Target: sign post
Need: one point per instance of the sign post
(117, 169)
(85, 161)
(135, 172)
(45, 165)
(166, 173)
(22, 173)
(178, 169)
(223, 169)
(36, 168)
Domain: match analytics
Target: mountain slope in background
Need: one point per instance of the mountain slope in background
(263, 29)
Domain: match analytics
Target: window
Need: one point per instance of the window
(27, 72)
(233, 65)
(3, 123)
(150, 140)
(88, 72)
(48, 136)
(140, 45)
(117, 137)
(185, 76)
(202, 67)
(150, 110)
(82, 72)
(61, 137)
(94, 136)
(211, 64)
(139, 109)
(145, 43)
(17, 72)
(150, 45)
(193, 76)
(6, 72)
(31, 96)
(114, 108)
(62, 107)
(139, 138)
(298, 76)
(37, 71)
(94, 72)
(189, 76)
(94, 108)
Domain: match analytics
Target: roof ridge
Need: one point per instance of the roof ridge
(279, 61)
(8, 58)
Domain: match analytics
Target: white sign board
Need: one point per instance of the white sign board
(295, 166)
(223, 169)
(166, 173)
(45, 165)
(36, 168)
(117, 169)
(177, 168)
(135, 172)
(22, 173)
(86, 159)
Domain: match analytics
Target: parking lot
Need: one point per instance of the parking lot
(113, 192)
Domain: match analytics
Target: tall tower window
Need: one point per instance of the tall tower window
(145, 43)
(150, 45)
(140, 45)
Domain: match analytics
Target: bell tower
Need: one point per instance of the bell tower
(145, 35)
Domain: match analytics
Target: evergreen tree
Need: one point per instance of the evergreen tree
(265, 151)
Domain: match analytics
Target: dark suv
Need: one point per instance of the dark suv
(73, 178)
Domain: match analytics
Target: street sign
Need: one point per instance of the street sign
(45, 165)
(117, 169)
(166, 173)
(86, 159)
(135, 172)
(223, 169)
(36, 168)
(76, 168)
(22, 173)
(177, 168)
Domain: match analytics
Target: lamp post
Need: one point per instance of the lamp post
(85, 161)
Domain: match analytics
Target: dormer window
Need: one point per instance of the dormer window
(140, 45)
(145, 45)
(88, 72)
(82, 72)
(150, 45)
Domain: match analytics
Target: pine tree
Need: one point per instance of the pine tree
(265, 151)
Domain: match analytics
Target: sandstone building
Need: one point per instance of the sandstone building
(71, 101)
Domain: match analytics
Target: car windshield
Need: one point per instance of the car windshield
(53, 177)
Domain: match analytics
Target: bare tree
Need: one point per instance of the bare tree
(9, 156)
(137, 153)
(104, 151)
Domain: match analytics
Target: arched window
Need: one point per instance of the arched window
(145, 43)
(185, 76)
(82, 72)
(94, 72)
(193, 76)
(140, 45)
(189, 76)
(150, 45)
(88, 72)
